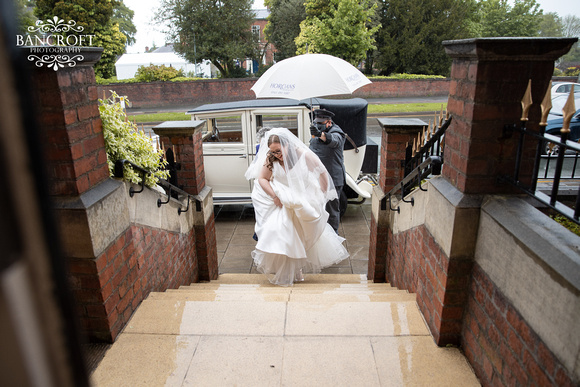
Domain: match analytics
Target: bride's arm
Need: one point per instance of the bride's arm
(264, 181)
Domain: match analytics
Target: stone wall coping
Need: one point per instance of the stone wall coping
(178, 128)
(553, 246)
(455, 197)
(89, 198)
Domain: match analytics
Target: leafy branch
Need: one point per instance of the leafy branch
(123, 140)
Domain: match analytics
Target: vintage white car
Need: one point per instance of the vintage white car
(229, 143)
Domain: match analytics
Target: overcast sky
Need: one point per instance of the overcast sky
(148, 33)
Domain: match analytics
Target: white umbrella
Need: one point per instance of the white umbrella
(307, 76)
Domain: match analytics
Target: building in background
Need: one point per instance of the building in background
(128, 64)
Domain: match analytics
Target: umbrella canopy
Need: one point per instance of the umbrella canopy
(309, 75)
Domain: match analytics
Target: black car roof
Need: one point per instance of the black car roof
(273, 103)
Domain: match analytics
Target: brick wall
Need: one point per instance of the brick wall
(192, 94)
(117, 250)
(110, 287)
(501, 346)
(415, 262)
(68, 113)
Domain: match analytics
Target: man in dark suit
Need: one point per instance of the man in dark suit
(327, 143)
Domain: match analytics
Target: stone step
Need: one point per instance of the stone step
(251, 318)
(230, 278)
(287, 290)
(310, 297)
(296, 287)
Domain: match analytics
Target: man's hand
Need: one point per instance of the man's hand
(314, 131)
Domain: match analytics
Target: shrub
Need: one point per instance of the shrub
(123, 140)
(154, 73)
(572, 71)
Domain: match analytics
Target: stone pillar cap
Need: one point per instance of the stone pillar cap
(509, 48)
(401, 124)
(178, 128)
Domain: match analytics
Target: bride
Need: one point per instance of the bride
(291, 189)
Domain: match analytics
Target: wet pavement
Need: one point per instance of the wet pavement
(331, 330)
(235, 227)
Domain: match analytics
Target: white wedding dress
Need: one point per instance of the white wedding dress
(296, 238)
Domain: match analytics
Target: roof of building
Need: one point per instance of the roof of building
(262, 14)
(155, 58)
(167, 48)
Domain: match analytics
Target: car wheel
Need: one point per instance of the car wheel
(551, 149)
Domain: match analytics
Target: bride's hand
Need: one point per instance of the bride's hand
(277, 201)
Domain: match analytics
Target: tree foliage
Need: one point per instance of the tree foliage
(571, 29)
(24, 14)
(284, 25)
(551, 25)
(219, 31)
(495, 18)
(123, 16)
(95, 17)
(338, 27)
(412, 32)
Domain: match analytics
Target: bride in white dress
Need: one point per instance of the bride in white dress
(291, 189)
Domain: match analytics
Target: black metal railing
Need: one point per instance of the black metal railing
(428, 144)
(170, 190)
(568, 153)
(429, 167)
(547, 144)
(423, 158)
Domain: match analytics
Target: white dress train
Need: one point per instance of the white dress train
(296, 238)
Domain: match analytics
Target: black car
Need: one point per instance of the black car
(555, 124)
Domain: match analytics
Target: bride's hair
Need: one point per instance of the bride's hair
(271, 158)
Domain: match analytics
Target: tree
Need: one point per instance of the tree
(551, 25)
(25, 14)
(495, 18)
(571, 29)
(123, 16)
(344, 31)
(95, 17)
(284, 25)
(571, 26)
(412, 33)
(219, 31)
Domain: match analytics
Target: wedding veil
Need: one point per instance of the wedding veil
(302, 166)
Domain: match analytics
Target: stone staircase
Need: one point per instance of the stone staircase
(331, 330)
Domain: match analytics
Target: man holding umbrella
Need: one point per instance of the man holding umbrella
(327, 143)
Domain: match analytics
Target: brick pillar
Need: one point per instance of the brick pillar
(68, 113)
(489, 77)
(397, 134)
(185, 138)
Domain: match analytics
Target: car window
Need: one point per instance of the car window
(224, 129)
(562, 89)
(289, 122)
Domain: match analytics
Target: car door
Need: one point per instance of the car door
(225, 155)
